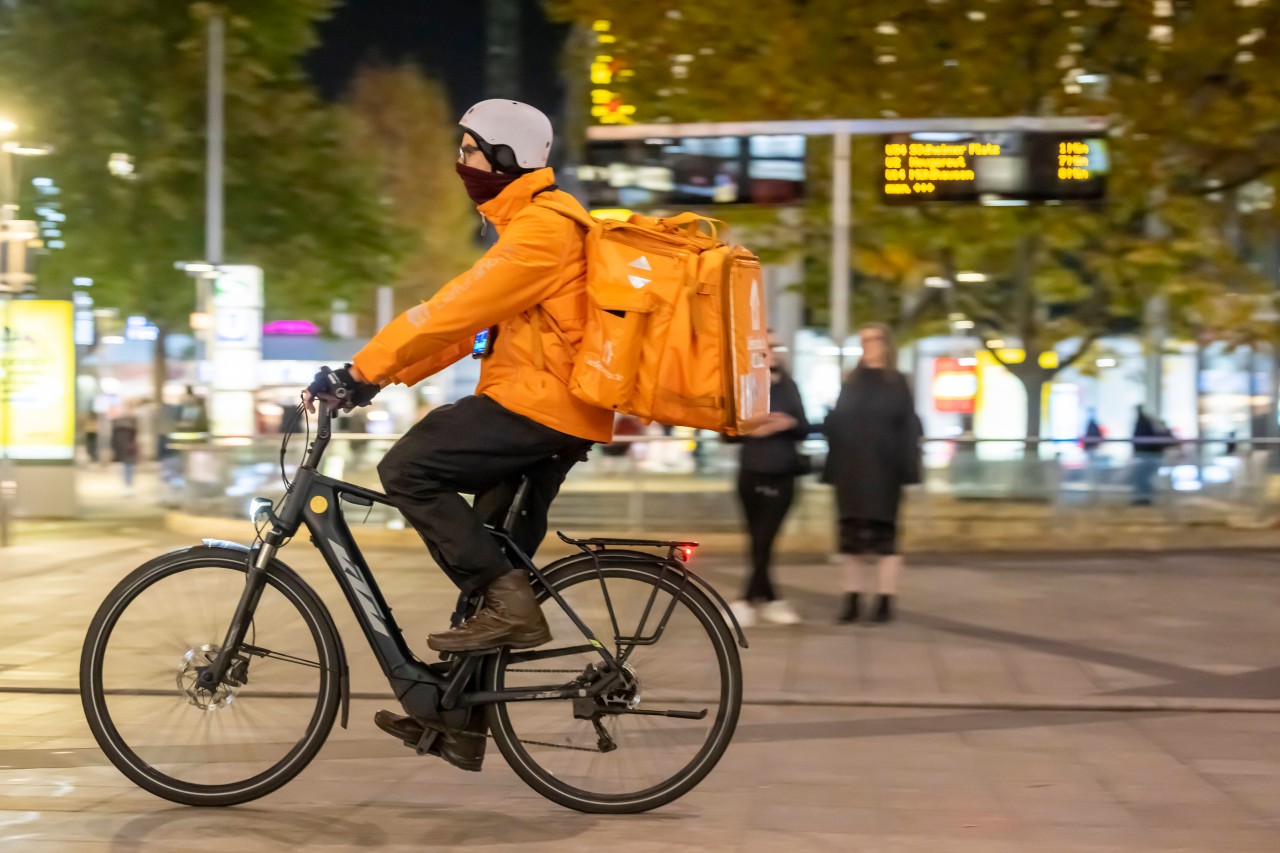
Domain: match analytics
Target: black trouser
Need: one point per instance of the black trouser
(766, 498)
(475, 446)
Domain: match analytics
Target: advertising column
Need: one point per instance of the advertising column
(237, 349)
(37, 405)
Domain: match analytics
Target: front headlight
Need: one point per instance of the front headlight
(257, 508)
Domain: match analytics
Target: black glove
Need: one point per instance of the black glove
(340, 388)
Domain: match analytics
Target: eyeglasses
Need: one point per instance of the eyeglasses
(465, 152)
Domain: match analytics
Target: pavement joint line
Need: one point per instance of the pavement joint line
(1176, 705)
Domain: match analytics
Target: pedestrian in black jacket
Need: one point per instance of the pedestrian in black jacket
(767, 473)
(874, 440)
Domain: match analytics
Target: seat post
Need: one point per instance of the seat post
(517, 505)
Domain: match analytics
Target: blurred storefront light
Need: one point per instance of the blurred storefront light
(121, 165)
(27, 150)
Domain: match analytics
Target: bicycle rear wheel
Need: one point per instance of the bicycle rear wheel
(679, 656)
(138, 674)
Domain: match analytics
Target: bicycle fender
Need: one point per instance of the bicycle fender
(278, 565)
(701, 582)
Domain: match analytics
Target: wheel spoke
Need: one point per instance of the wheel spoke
(677, 699)
(191, 745)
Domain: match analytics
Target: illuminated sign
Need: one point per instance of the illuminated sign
(291, 327)
(955, 385)
(1011, 167)
(37, 391)
(237, 349)
(694, 171)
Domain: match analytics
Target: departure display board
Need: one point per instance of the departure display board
(694, 171)
(1009, 167)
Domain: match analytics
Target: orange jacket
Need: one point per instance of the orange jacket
(532, 281)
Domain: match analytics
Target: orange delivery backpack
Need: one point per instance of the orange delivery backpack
(676, 328)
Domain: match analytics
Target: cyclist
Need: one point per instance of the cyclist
(521, 308)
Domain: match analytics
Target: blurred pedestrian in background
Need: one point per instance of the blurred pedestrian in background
(1093, 436)
(1149, 442)
(767, 472)
(874, 440)
(193, 416)
(89, 423)
(124, 444)
(617, 453)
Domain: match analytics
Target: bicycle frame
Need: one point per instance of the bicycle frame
(425, 692)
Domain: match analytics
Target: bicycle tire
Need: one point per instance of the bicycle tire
(724, 642)
(94, 698)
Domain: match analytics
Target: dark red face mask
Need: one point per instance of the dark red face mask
(483, 186)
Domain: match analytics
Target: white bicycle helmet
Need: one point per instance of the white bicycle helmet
(514, 137)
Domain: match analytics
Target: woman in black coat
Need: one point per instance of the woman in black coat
(767, 473)
(874, 440)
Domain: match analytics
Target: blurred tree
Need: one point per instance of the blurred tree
(406, 121)
(1193, 90)
(95, 79)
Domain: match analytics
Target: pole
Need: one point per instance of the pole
(214, 147)
(7, 484)
(502, 60)
(386, 305)
(840, 221)
(7, 480)
(213, 214)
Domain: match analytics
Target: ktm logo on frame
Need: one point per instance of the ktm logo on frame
(363, 592)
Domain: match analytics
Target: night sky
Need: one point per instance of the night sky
(446, 38)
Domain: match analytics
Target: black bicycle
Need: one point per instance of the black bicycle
(212, 675)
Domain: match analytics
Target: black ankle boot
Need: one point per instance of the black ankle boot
(850, 612)
(884, 609)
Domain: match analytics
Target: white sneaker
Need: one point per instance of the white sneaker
(779, 613)
(744, 612)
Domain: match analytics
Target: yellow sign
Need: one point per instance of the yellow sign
(319, 504)
(917, 167)
(37, 388)
(994, 168)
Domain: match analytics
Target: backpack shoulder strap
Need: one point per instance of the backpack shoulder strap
(586, 220)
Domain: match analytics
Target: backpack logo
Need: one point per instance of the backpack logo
(640, 263)
(607, 353)
(755, 304)
(637, 282)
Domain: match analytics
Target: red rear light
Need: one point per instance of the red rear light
(687, 551)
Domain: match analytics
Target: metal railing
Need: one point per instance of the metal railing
(676, 483)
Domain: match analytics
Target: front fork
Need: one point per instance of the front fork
(211, 676)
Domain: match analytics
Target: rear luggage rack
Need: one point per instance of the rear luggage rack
(587, 544)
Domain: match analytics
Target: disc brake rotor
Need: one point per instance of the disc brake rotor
(188, 678)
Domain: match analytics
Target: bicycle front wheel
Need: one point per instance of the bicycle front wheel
(142, 656)
(669, 717)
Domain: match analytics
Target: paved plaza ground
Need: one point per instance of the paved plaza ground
(1021, 703)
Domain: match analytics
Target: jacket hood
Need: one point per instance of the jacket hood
(516, 196)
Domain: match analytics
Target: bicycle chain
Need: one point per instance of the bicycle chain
(543, 742)
(561, 746)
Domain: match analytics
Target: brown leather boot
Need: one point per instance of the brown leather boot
(463, 748)
(510, 617)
